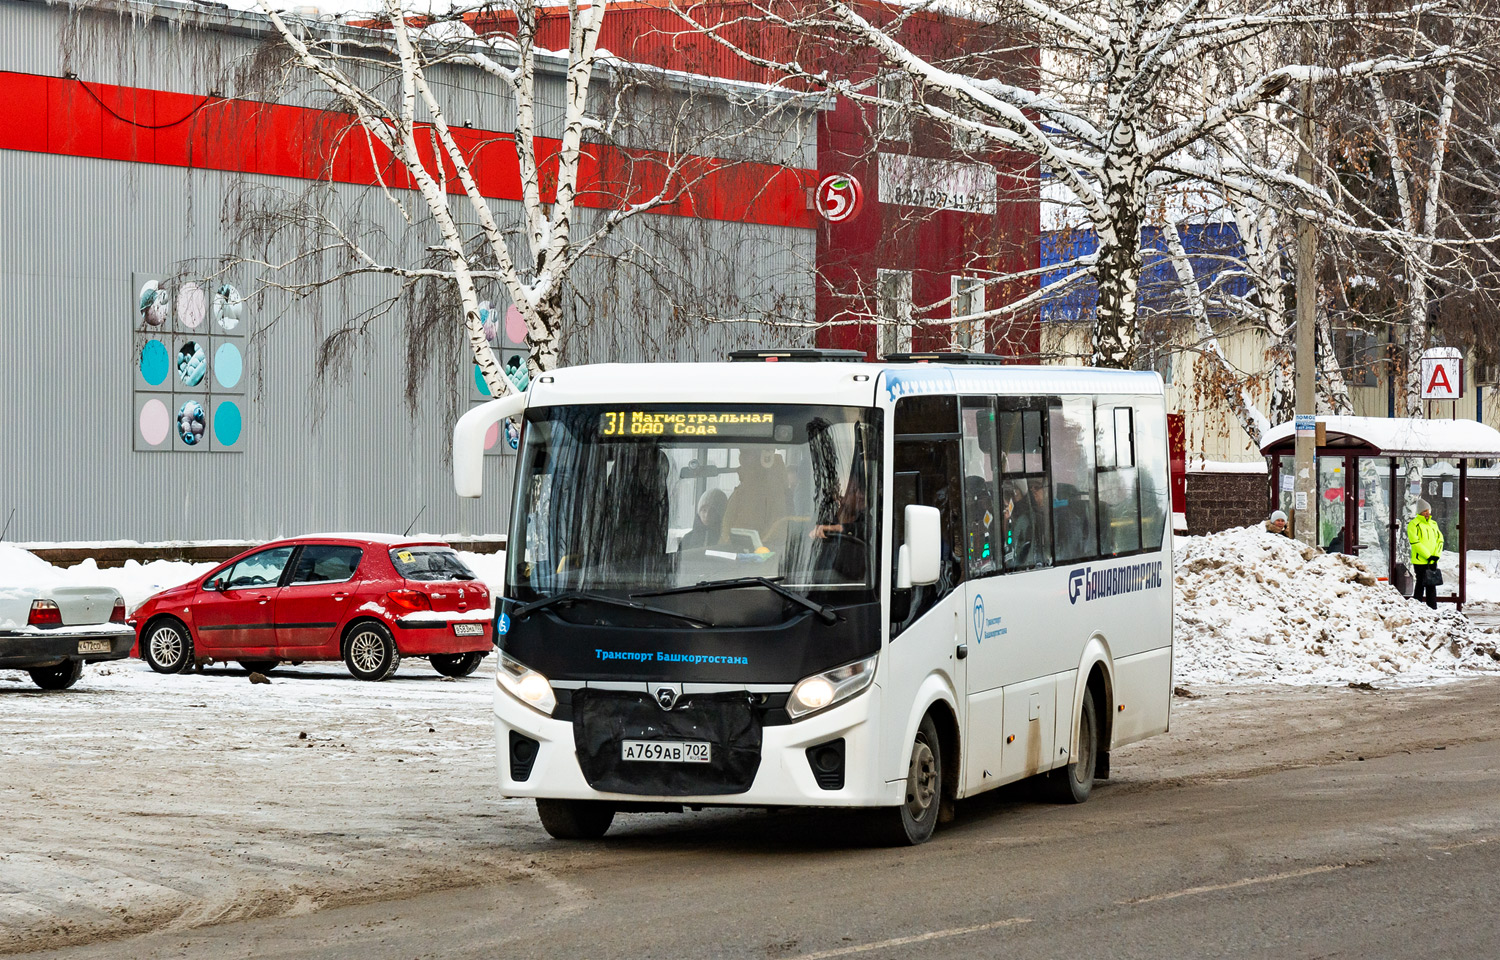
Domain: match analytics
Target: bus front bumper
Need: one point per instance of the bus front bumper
(785, 776)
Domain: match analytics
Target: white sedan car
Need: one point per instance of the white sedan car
(52, 631)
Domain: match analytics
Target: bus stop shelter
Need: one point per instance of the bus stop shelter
(1362, 493)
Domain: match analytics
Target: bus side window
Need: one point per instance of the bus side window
(1119, 500)
(926, 473)
(1025, 494)
(1151, 462)
(1074, 521)
(982, 519)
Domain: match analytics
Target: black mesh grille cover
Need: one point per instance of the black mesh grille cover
(602, 719)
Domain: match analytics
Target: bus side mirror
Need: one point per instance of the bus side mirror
(468, 441)
(920, 560)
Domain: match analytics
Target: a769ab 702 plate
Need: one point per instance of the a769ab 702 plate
(666, 751)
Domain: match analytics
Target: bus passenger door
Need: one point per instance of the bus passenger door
(983, 627)
(1033, 657)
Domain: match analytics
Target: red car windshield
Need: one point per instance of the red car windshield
(430, 563)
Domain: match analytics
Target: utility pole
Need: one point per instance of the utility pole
(1305, 488)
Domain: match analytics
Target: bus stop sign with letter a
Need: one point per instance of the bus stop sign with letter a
(1442, 374)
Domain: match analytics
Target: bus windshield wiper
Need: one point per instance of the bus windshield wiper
(824, 612)
(583, 596)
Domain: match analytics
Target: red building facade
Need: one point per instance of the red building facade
(940, 220)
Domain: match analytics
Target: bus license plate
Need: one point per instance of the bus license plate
(666, 751)
(468, 629)
(93, 646)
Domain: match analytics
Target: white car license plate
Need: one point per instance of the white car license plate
(468, 629)
(666, 751)
(93, 646)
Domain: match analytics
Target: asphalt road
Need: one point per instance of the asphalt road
(1394, 856)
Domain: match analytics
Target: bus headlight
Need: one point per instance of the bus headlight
(821, 690)
(525, 684)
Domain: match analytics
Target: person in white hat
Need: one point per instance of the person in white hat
(1278, 524)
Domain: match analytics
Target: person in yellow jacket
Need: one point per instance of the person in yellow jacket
(1426, 546)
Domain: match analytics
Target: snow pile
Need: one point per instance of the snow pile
(18, 571)
(21, 570)
(22, 567)
(1251, 606)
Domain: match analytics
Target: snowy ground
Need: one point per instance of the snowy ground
(136, 801)
(1484, 577)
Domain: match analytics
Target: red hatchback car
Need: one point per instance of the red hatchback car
(362, 598)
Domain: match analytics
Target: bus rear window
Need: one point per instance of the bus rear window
(429, 563)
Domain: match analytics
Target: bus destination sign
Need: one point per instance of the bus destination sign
(685, 423)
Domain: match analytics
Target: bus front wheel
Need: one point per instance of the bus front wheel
(913, 822)
(1074, 783)
(575, 819)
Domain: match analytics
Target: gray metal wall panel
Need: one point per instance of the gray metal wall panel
(345, 455)
(322, 455)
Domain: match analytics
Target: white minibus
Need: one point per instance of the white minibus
(797, 578)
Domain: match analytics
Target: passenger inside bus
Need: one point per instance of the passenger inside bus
(758, 501)
(1029, 540)
(708, 521)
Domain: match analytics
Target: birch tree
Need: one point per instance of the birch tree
(1107, 119)
(393, 77)
(1419, 153)
(1418, 192)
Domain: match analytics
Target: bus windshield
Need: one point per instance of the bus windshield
(625, 500)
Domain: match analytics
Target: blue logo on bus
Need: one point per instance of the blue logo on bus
(1075, 583)
(987, 628)
(1088, 583)
(503, 624)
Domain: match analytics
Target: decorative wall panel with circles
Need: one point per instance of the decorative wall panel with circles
(188, 361)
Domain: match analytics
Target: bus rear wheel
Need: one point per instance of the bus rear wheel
(1074, 783)
(575, 819)
(913, 822)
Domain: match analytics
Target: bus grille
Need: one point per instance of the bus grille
(728, 722)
